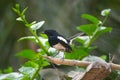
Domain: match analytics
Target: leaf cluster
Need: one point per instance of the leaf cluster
(94, 29)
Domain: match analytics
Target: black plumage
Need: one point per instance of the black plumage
(58, 41)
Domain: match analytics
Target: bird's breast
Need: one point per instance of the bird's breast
(59, 47)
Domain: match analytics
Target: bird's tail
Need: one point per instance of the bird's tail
(70, 39)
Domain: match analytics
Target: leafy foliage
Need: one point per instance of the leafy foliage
(79, 53)
(90, 18)
(29, 54)
(30, 69)
(37, 25)
(92, 31)
(88, 28)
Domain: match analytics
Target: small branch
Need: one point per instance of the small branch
(114, 66)
(76, 62)
(67, 61)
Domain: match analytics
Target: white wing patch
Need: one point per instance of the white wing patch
(62, 39)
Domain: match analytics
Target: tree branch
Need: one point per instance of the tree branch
(67, 61)
(77, 63)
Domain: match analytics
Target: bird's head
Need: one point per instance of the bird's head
(50, 32)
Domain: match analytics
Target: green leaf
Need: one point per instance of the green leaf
(19, 19)
(30, 64)
(102, 30)
(24, 77)
(84, 40)
(43, 35)
(12, 76)
(37, 25)
(34, 22)
(29, 71)
(28, 25)
(42, 39)
(24, 19)
(0, 72)
(78, 53)
(80, 40)
(118, 72)
(15, 10)
(24, 10)
(45, 63)
(105, 12)
(104, 57)
(17, 6)
(89, 29)
(8, 70)
(90, 18)
(28, 37)
(29, 54)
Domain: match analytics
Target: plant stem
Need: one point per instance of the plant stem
(92, 38)
(104, 20)
(39, 42)
(27, 24)
(33, 32)
(38, 69)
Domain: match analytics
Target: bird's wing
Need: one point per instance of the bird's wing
(53, 40)
(64, 43)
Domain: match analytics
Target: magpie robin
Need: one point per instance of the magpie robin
(57, 41)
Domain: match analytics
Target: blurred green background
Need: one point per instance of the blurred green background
(61, 15)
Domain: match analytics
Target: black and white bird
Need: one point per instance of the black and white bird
(58, 41)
